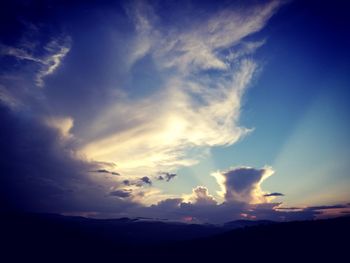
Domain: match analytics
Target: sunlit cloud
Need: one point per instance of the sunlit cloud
(124, 193)
(175, 126)
(243, 184)
(200, 196)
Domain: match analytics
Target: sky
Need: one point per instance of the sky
(193, 111)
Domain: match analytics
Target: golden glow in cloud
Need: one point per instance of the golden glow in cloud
(193, 109)
(243, 184)
(160, 129)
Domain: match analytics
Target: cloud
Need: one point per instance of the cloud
(106, 171)
(178, 209)
(243, 199)
(126, 182)
(273, 194)
(57, 49)
(146, 180)
(191, 109)
(198, 48)
(43, 173)
(201, 196)
(166, 176)
(48, 60)
(326, 211)
(59, 141)
(121, 193)
(325, 207)
(243, 184)
(62, 124)
(19, 53)
(8, 99)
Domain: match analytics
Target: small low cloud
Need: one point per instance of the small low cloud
(138, 182)
(273, 194)
(106, 171)
(201, 196)
(325, 207)
(127, 182)
(146, 180)
(124, 193)
(166, 176)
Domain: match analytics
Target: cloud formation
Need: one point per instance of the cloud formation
(243, 184)
(166, 176)
(57, 50)
(106, 171)
(201, 196)
(243, 199)
(41, 172)
(273, 194)
(60, 144)
(121, 193)
(192, 108)
(146, 180)
(49, 59)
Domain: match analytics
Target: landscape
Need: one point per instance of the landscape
(174, 131)
(49, 237)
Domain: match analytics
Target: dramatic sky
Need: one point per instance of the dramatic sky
(198, 111)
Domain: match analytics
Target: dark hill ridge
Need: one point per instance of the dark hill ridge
(47, 238)
(122, 230)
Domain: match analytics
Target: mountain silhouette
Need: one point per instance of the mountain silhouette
(56, 238)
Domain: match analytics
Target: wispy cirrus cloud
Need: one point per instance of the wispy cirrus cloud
(47, 59)
(204, 70)
(57, 49)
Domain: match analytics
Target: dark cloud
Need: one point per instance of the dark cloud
(105, 171)
(139, 182)
(324, 207)
(211, 212)
(290, 208)
(243, 183)
(170, 203)
(127, 182)
(42, 173)
(121, 193)
(146, 180)
(166, 176)
(274, 194)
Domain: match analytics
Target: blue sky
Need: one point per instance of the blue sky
(206, 110)
(298, 107)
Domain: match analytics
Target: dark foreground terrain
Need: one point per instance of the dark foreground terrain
(54, 238)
